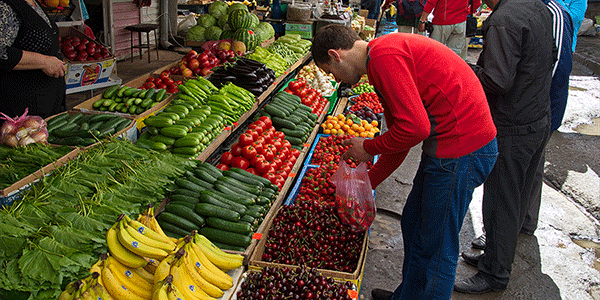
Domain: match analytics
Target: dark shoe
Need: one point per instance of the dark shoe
(527, 231)
(476, 284)
(479, 243)
(472, 258)
(379, 294)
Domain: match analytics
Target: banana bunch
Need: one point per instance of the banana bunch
(135, 245)
(147, 218)
(196, 270)
(85, 289)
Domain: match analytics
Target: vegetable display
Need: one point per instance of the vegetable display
(78, 129)
(17, 163)
(246, 73)
(316, 78)
(129, 100)
(308, 95)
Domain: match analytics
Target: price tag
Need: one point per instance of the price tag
(228, 128)
(235, 124)
(292, 174)
(353, 294)
(305, 145)
(257, 236)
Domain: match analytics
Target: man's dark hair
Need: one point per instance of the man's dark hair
(332, 36)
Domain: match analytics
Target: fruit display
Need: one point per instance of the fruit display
(225, 206)
(316, 78)
(308, 95)
(82, 49)
(18, 162)
(350, 125)
(310, 233)
(364, 87)
(129, 100)
(369, 99)
(55, 3)
(329, 149)
(247, 73)
(78, 129)
(365, 113)
(263, 151)
(291, 117)
(287, 283)
(162, 82)
(200, 64)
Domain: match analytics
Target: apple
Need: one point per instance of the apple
(191, 56)
(168, 81)
(67, 48)
(90, 58)
(84, 41)
(202, 57)
(149, 84)
(76, 39)
(174, 70)
(178, 82)
(172, 90)
(97, 56)
(186, 72)
(157, 81)
(81, 47)
(107, 55)
(192, 64)
(82, 56)
(70, 55)
(164, 74)
(162, 86)
(205, 71)
(205, 64)
(91, 51)
(197, 70)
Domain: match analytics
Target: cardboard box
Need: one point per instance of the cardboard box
(363, 13)
(304, 29)
(89, 72)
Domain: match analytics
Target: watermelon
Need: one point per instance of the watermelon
(255, 20)
(247, 36)
(261, 34)
(268, 28)
(239, 19)
(206, 20)
(222, 21)
(217, 9)
(196, 33)
(226, 35)
(213, 33)
(236, 5)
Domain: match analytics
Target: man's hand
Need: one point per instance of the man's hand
(54, 67)
(356, 151)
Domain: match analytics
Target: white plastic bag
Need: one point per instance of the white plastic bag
(587, 28)
(188, 22)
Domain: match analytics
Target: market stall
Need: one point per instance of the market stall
(148, 190)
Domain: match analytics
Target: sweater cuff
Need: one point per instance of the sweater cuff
(369, 146)
(13, 57)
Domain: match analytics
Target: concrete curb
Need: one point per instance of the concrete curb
(590, 63)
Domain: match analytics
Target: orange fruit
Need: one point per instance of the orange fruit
(64, 3)
(52, 3)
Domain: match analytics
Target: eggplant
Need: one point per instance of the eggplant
(251, 62)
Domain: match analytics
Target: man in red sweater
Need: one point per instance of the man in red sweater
(430, 96)
(449, 22)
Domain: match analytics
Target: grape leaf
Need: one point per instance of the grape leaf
(44, 266)
(83, 223)
(10, 246)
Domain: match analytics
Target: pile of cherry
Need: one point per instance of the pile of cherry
(330, 149)
(299, 283)
(311, 234)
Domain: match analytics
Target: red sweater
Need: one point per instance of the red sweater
(430, 95)
(448, 12)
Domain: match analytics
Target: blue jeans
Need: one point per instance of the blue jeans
(432, 218)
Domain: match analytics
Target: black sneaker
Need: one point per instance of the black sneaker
(479, 243)
(379, 294)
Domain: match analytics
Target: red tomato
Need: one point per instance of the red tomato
(271, 177)
(293, 85)
(280, 135)
(252, 171)
(270, 147)
(236, 149)
(240, 162)
(267, 136)
(295, 152)
(285, 144)
(226, 158)
(277, 162)
(222, 167)
(149, 84)
(256, 128)
(260, 124)
(262, 166)
(253, 133)
(277, 144)
(246, 139)
(157, 81)
(281, 155)
(285, 169)
(149, 79)
(164, 75)
(279, 181)
(249, 152)
(266, 120)
(256, 159)
(258, 146)
(268, 154)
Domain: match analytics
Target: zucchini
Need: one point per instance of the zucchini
(177, 221)
(186, 213)
(211, 210)
(225, 237)
(238, 227)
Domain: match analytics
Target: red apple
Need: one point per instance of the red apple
(70, 55)
(186, 72)
(91, 51)
(174, 70)
(84, 41)
(162, 86)
(197, 70)
(81, 47)
(192, 64)
(97, 56)
(205, 72)
(67, 48)
(76, 39)
(107, 55)
(205, 64)
(82, 56)
(157, 81)
(90, 58)
(168, 81)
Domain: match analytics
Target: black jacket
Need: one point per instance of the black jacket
(515, 67)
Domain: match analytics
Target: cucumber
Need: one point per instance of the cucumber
(204, 175)
(280, 122)
(183, 203)
(294, 140)
(249, 219)
(268, 193)
(184, 198)
(229, 247)
(198, 181)
(186, 141)
(298, 133)
(232, 190)
(211, 210)
(173, 229)
(207, 197)
(186, 184)
(57, 119)
(255, 190)
(242, 178)
(171, 115)
(274, 110)
(185, 213)
(243, 172)
(158, 121)
(174, 131)
(163, 139)
(238, 227)
(185, 192)
(178, 221)
(225, 237)
(262, 200)
(212, 170)
(255, 214)
(189, 151)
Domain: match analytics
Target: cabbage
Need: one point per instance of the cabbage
(217, 9)
(196, 33)
(206, 20)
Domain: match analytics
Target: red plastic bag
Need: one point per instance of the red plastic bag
(354, 196)
(23, 130)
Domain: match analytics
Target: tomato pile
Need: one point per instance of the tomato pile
(78, 49)
(286, 283)
(308, 95)
(330, 149)
(163, 81)
(370, 100)
(311, 234)
(263, 151)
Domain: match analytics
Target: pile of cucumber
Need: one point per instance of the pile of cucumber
(225, 206)
(129, 100)
(291, 117)
(182, 128)
(78, 129)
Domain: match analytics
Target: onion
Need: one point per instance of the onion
(11, 140)
(26, 141)
(32, 123)
(7, 128)
(22, 132)
(40, 136)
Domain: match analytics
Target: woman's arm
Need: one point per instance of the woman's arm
(50, 65)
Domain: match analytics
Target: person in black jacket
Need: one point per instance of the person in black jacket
(515, 70)
(31, 74)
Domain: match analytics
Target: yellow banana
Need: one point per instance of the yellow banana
(203, 284)
(126, 278)
(101, 292)
(146, 239)
(70, 289)
(218, 257)
(222, 282)
(141, 228)
(174, 294)
(129, 273)
(163, 269)
(185, 285)
(224, 279)
(151, 266)
(115, 288)
(161, 292)
(99, 265)
(153, 224)
(144, 274)
(137, 246)
(120, 253)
